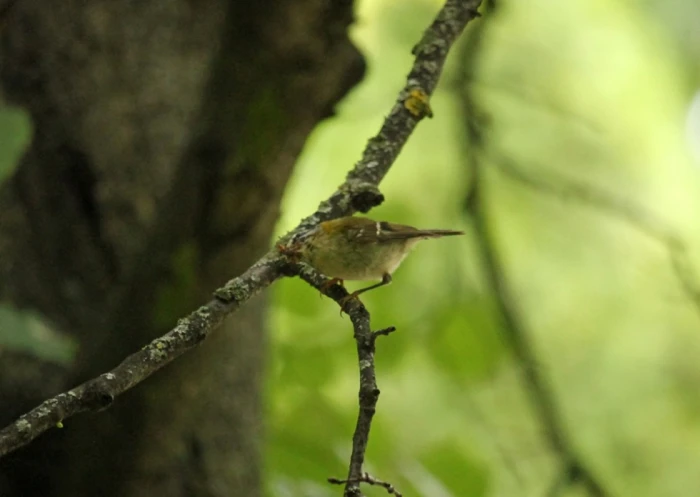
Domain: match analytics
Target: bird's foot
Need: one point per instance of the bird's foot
(347, 299)
(290, 251)
(328, 284)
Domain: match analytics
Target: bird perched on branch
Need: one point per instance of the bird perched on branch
(358, 248)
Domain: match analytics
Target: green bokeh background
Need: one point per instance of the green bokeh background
(587, 93)
(581, 96)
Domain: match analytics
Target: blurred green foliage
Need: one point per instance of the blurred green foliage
(24, 331)
(15, 134)
(583, 92)
(180, 290)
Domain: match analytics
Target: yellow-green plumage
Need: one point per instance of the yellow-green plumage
(356, 248)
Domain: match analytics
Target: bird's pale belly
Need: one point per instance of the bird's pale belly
(362, 264)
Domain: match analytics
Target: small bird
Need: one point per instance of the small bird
(358, 248)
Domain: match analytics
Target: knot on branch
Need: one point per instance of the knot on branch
(97, 397)
(363, 195)
(364, 201)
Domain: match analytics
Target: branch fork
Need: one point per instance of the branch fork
(359, 193)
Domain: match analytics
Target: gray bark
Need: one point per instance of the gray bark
(164, 135)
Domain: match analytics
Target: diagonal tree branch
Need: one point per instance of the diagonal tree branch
(537, 384)
(644, 220)
(575, 468)
(638, 216)
(358, 193)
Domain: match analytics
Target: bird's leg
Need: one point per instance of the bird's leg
(386, 279)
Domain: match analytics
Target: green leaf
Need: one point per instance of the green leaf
(25, 331)
(15, 135)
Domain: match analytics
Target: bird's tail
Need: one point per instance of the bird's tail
(438, 233)
(405, 235)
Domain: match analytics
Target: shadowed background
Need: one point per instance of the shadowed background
(162, 143)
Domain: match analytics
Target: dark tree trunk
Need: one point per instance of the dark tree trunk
(164, 135)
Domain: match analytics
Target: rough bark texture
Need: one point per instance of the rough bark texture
(164, 134)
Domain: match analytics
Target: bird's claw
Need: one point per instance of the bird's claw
(291, 251)
(345, 300)
(328, 284)
(286, 249)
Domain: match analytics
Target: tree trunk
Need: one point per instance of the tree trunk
(164, 133)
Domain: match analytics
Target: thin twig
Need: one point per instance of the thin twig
(648, 223)
(643, 219)
(367, 478)
(537, 384)
(383, 332)
(368, 397)
(369, 391)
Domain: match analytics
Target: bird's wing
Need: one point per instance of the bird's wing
(383, 231)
